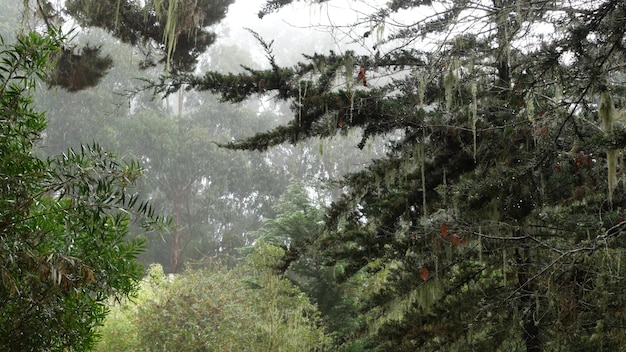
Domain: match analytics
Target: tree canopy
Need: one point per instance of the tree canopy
(495, 220)
(174, 32)
(177, 28)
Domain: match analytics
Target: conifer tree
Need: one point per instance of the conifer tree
(495, 221)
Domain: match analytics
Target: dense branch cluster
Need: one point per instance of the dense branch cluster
(174, 32)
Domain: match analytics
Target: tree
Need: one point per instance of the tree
(221, 195)
(298, 221)
(494, 222)
(63, 220)
(206, 191)
(214, 196)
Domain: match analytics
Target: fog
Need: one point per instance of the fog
(217, 198)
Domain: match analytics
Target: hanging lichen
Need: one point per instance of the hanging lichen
(504, 267)
(302, 93)
(409, 166)
(558, 94)
(390, 178)
(607, 115)
(474, 114)
(479, 247)
(424, 296)
(380, 33)
(348, 67)
(421, 156)
(504, 43)
(177, 31)
(419, 148)
(377, 182)
(171, 32)
(185, 19)
(117, 13)
(444, 185)
(351, 97)
(421, 90)
(450, 82)
(530, 107)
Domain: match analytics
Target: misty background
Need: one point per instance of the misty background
(216, 198)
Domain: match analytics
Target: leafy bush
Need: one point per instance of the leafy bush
(246, 308)
(63, 220)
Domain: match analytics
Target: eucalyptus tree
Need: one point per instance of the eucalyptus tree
(214, 196)
(494, 221)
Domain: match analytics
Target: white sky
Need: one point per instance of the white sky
(301, 21)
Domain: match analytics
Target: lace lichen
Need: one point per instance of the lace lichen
(607, 116)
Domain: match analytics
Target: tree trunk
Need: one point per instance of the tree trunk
(503, 58)
(532, 338)
(175, 251)
(174, 264)
(176, 247)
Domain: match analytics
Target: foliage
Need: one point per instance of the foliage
(78, 71)
(298, 221)
(214, 197)
(247, 308)
(119, 332)
(494, 222)
(176, 29)
(63, 220)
